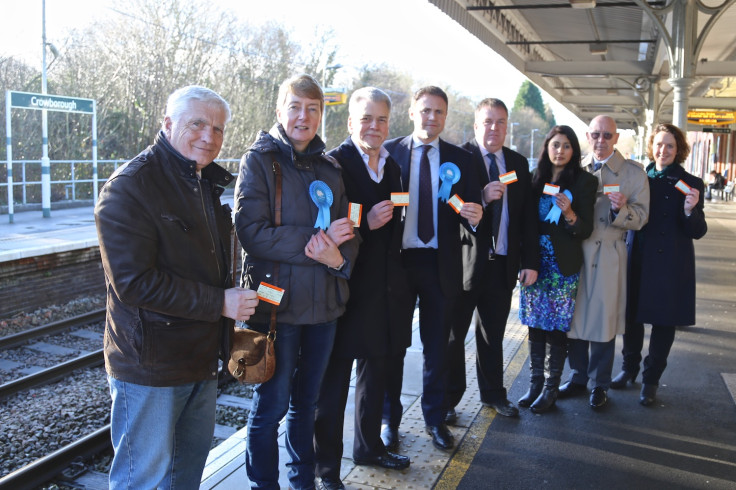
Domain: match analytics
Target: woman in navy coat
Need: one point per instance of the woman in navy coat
(662, 278)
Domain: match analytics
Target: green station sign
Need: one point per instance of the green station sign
(26, 100)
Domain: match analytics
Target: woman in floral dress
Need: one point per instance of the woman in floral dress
(566, 196)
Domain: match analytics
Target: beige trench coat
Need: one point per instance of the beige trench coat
(600, 307)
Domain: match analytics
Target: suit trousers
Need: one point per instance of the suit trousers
(660, 343)
(492, 297)
(434, 330)
(370, 385)
(597, 366)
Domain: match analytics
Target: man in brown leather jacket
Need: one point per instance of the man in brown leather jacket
(164, 242)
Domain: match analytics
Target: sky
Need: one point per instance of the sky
(403, 34)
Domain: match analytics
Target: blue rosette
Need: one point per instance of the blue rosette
(321, 195)
(449, 175)
(554, 214)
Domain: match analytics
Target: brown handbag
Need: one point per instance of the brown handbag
(252, 355)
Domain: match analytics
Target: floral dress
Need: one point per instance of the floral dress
(549, 303)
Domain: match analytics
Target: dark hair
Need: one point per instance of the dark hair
(543, 173)
(493, 103)
(683, 148)
(430, 90)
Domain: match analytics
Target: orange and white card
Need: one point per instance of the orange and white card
(354, 213)
(551, 189)
(400, 198)
(456, 203)
(270, 293)
(682, 187)
(508, 177)
(607, 189)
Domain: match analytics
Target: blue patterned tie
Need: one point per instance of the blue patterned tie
(597, 166)
(425, 218)
(497, 205)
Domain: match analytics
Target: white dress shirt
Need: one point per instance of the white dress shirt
(410, 238)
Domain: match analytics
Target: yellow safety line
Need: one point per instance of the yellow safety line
(463, 457)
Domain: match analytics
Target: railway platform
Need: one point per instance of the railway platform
(687, 440)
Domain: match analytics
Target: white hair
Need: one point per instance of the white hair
(180, 98)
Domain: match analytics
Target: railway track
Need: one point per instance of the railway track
(71, 460)
(62, 369)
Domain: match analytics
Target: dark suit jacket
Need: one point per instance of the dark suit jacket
(523, 233)
(567, 240)
(377, 319)
(449, 223)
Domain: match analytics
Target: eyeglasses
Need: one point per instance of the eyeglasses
(597, 135)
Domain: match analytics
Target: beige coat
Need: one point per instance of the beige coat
(600, 307)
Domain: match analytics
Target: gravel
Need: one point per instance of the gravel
(37, 422)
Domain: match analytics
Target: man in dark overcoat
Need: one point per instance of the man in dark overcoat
(376, 325)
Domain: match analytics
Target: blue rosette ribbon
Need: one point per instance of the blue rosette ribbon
(449, 175)
(321, 195)
(554, 214)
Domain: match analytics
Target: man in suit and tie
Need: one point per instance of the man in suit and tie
(622, 204)
(431, 251)
(506, 246)
(376, 325)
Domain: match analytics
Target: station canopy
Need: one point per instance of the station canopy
(637, 61)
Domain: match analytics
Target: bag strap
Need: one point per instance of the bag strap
(277, 222)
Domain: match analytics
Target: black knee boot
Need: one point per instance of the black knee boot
(536, 375)
(555, 363)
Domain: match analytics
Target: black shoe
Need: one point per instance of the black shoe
(503, 407)
(622, 379)
(598, 397)
(390, 437)
(451, 417)
(387, 460)
(441, 436)
(571, 389)
(648, 394)
(326, 483)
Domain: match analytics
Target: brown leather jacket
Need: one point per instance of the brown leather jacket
(164, 241)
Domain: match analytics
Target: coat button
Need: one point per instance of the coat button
(660, 251)
(666, 197)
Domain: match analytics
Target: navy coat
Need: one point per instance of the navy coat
(662, 279)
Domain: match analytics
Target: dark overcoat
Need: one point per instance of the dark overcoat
(662, 279)
(377, 319)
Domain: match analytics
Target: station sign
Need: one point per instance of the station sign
(26, 100)
(711, 117)
(335, 96)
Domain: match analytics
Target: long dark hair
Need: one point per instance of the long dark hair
(543, 173)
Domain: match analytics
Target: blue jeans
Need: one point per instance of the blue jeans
(302, 353)
(161, 435)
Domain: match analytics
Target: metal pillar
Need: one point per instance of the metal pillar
(45, 162)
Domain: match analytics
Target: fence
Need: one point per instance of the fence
(71, 180)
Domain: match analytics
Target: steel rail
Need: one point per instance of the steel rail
(44, 469)
(21, 337)
(51, 374)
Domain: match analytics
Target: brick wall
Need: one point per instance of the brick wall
(26, 284)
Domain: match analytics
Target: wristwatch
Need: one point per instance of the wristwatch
(339, 267)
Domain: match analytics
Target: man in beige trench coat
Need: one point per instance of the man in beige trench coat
(622, 204)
